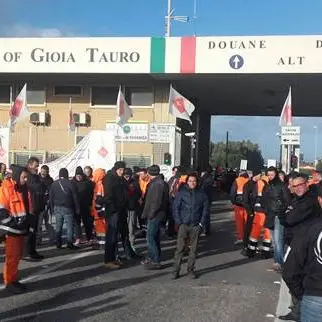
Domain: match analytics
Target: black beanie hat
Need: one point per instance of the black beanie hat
(128, 172)
(154, 170)
(79, 171)
(256, 172)
(63, 173)
(119, 165)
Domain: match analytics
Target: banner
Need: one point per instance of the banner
(96, 149)
(130, 132)
(4, 145)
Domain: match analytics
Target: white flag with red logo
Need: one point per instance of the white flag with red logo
(71, 121)
(286, 115)
(19, 109)
(179, 106)
(124, 112)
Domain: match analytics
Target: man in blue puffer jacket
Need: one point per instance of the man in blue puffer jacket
(190, 211)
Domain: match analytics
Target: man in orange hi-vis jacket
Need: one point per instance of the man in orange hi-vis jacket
(15, 209)
(98, 208)
(253, 203)
(236, 196)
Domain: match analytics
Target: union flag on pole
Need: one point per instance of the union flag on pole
(71, 121)
(179, 106)
(286, 115)
(124, 112)
(19, 109)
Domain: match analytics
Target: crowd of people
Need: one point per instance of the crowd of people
(280, 214)
(100, 208)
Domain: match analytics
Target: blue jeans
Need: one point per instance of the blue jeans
(64, 214)
(311, 309)
(277, 235)
(153, 239)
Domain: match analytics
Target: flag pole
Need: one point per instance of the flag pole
(29, 141)
(122, 144)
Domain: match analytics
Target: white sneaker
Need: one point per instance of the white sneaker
(77, 242)
(238, 242)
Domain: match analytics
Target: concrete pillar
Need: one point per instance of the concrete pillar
(202, 126)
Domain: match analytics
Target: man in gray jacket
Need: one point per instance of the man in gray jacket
(155, 210)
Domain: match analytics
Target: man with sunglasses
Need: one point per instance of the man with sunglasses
(299, 216)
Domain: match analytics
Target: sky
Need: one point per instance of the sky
(46, 18)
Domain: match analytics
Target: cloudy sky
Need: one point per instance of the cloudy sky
(49, 18)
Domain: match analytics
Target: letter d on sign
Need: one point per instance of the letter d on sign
(211, 45)
(319, 44)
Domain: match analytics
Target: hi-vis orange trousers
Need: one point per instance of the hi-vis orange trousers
(257, 229)
(240, 219)
(100, 229)
(14, 252)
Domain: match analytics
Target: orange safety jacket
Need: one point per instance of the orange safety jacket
(258, 198)
(98, 208)
(144, 184)
(238, 190)
(14, 217)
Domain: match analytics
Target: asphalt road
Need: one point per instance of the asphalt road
(75, 286)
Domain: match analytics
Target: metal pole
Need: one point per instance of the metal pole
(315, 145)
(168, 30)
(191, 151)
(194, 17)
(227, 141)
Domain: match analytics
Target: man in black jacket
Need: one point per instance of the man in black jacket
(302, 270)
(47, 180)
(133, 206)
(190, 210)
(64, 204)
(85, 193)
(300, 215)
(155, 210)
(276, 199)
(115, 200)
(37, 191)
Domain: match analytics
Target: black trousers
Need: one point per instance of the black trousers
(32, 237)
(116, 225)
(187, 232)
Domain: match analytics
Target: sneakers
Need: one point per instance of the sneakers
(20, 285)
(238, 242)
(36, 257)
(112, 265)
(153, 266)
(77, 242)
(73, 246)
(15, 288)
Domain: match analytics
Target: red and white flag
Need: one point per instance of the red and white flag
(19, 109)
(71, 121)
(124, 112)
(286, 115)
(179, 106)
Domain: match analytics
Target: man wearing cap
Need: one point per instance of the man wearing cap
(155, 210)
(115, 200)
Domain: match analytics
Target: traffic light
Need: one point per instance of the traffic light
(167, 158)
(294, 161)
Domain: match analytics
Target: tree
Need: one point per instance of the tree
(319, 165)
(237, 150)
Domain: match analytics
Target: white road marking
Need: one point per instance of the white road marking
(284, 301)
(53, 268)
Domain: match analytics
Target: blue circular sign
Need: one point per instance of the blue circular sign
(236, 62)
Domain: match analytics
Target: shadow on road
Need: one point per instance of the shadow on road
(72, 296)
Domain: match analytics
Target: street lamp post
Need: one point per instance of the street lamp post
(192, 136)
(315, 145)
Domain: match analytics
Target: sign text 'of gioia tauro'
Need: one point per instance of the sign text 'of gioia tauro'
(94, 55)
